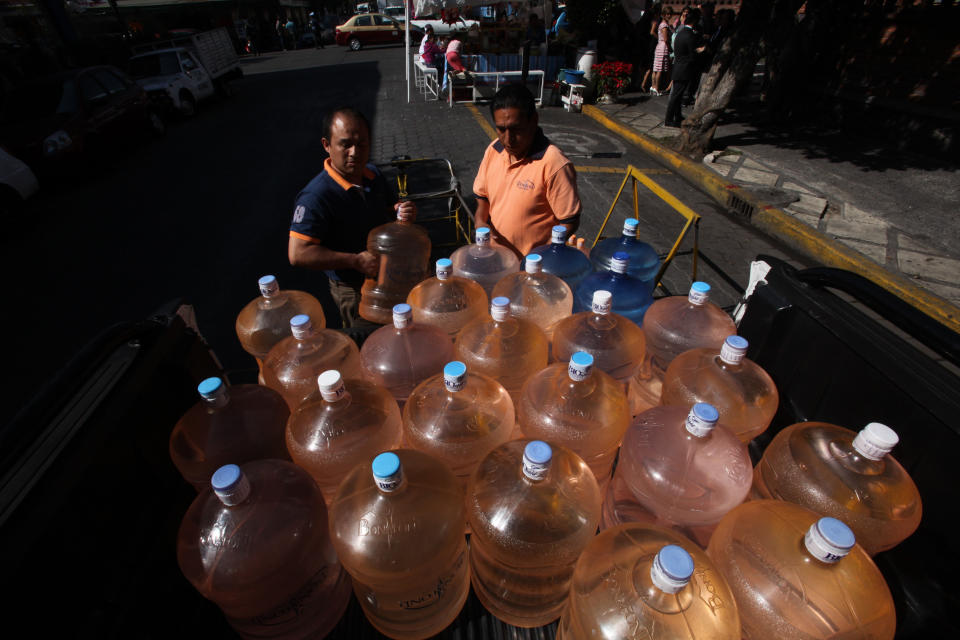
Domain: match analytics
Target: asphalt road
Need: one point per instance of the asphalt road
(202, 213)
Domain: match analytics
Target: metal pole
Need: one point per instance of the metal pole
(406, 45)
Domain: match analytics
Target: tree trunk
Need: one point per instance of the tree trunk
(733, 67)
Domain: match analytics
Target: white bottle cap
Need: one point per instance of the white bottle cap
(300, 326)
(699, 293)
(875, 441)
(581, 364)
(444, 268)
(454, 376)
(534, 263)
(829, 540)
(630, 226)
(331, 385)
(734, 349)
(230, 485)
(483, 235)
(702, 419)
(387, 472)
(602, 301)
(402, 315)
(671, 569)
(268, 286)
(558, 235)
(620, 262)
(500, 308)
(536, 460)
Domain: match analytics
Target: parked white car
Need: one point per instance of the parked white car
(17, 182)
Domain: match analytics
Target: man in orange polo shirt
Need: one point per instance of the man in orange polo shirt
(525, 185)
(334, 213)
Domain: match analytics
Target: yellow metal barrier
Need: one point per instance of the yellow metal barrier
(635, 175)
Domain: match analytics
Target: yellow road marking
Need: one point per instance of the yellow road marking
(486, 126)
(595, 169)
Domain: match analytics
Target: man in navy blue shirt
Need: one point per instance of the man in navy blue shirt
(337, 209)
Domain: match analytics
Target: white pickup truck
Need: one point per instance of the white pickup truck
(182, 71)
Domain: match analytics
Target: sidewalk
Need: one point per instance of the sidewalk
(880, 206)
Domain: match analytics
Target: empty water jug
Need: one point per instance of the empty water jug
(458, 416)
(631, 296)
(258, 545)
(616, 344)
(448, 301)
(265, 321)
(798, 575)
(294, 363)
(579, 407)
(542, 298)
(397, 524)
(402, 355)
(403, 249)
(229, 424)
(676, 324)
(742, 392)
(679, 469)
(850, 476)
(533, 507)
(342, 425)
(642, 582)
(507, 349)
(644, 261)
(483, 262)
(567, 263)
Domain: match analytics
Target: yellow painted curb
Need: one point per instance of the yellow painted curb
(778, 223)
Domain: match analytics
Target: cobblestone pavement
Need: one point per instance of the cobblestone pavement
(901, 219)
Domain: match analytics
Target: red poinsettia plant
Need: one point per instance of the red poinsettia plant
(612, 77)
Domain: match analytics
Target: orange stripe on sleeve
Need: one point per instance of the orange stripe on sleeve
(294, 234)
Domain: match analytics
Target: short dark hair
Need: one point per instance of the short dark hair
(349, 112)
(514, 96)
(693, 17)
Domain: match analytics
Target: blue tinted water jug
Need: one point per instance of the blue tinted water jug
(631, 296)
(565, 262)
(644, 261)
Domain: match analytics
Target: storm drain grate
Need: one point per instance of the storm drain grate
(740, 206)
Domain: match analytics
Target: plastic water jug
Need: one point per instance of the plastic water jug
(567, 263)
(404, 354)
(542, 298)
(644, 261)
(798, 575)
(448, 301)
(616, 344)
(631, 296)
(676, 324)
(342, 425)
(679, 469)
(265, 321)
(294, 363)
(533, 507)
(404, 252)
(579, 407)
(397, 524)
(240, 423)
(642, 582)
(742, 392)
(257, 544)
(458, 416)
(850, 476)
(507, 349)
(483, 262)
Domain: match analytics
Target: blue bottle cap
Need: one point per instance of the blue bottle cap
(737, 342)
(402, 308)
(266, 281)
(829, 540)
(483, 230)
(558, 234)
(386, 465)
(209, 387)
(700, 287)
(836, 533)
(455, 369)
(538, 451)
(225, 477)
(500, 301)
(734, 349)
(676, 562)
(300, 320)
(580, 366)
(534, 257)
(444, 262)
(706, 412)
(582, 359)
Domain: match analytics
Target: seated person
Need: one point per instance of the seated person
(432, 53)
(454, 61)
